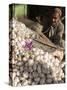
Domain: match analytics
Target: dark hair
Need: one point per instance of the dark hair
(58, 10)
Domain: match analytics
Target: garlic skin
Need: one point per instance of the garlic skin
(24, 59)
(25, 74)
(30, 62)
(42, 81)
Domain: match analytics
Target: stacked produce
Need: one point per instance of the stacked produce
(30, 65)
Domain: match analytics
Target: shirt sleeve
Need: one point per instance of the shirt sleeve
(59, 34)
(60, 30)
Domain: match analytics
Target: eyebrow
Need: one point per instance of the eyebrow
(54, 17)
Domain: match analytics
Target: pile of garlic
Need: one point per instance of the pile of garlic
(31, 65)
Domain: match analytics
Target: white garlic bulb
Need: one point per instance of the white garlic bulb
(42, 81)
(25, 74)
(30, 62)
(34, 66)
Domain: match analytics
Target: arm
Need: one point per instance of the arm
(59, 34)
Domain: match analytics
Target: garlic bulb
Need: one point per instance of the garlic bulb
(31, 65)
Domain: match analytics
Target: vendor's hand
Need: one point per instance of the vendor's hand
(59, 54)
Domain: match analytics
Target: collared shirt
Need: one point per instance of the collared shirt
(55, 33)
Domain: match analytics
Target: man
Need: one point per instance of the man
(55, 32)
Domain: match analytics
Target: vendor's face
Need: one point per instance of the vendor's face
(55, 19)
